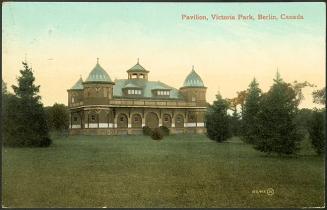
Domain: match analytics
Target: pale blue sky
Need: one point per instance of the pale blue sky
(74, 34)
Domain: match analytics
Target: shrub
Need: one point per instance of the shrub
(45, 142)
(157, 134)
(165, 131)
(147, 131)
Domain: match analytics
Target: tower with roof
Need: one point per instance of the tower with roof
(193, 89)
(98, 87)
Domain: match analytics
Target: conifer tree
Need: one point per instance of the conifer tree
(25, 123)
(250, 130)
(217, 120)
(317, 131)
(276, 120)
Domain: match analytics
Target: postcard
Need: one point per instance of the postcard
(163, 105)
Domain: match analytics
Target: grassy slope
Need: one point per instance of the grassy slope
(180, 171)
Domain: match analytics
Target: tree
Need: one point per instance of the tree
(241, 96)
(235, 124)
(297, 87)
(317, 131)
(250, 129)
(25, 123)
(319, 96)
(217, 120)
(303, 120)
(276, 120)
(4, 96)
(235, 121)
(57, 117)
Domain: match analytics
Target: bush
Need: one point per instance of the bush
(147, 131)
(165, 131)
(157, 134)
(45, 142)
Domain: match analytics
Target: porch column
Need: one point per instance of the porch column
(160, 118)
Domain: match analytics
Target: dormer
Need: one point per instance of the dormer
(131, 90)
(161, 93)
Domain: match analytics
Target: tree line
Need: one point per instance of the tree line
(270, 121)
(25, 121)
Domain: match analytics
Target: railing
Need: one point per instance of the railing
(145, 103)
(142, 103)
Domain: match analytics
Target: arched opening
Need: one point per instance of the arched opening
(136, 121)
(122, 121)
(152, 120)
(166, 120)
(179, 121)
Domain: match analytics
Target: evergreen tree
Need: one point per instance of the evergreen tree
(235, 119)
(276, 120)
(217, 120)
(25, 122)
(250, 130)
(235, 124)
(317, 131)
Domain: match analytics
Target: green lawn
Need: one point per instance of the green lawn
(179, 171)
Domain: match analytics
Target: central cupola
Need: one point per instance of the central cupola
(137, 72)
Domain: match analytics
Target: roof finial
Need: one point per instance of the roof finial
(192, 67)
(138, 60)
(97, 60)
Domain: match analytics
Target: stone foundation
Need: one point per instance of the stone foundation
(130, 131)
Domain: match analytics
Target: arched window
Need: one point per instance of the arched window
(122, 121)
(136, 121)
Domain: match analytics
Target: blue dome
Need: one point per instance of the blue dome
(193, 80)
(98, 74)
